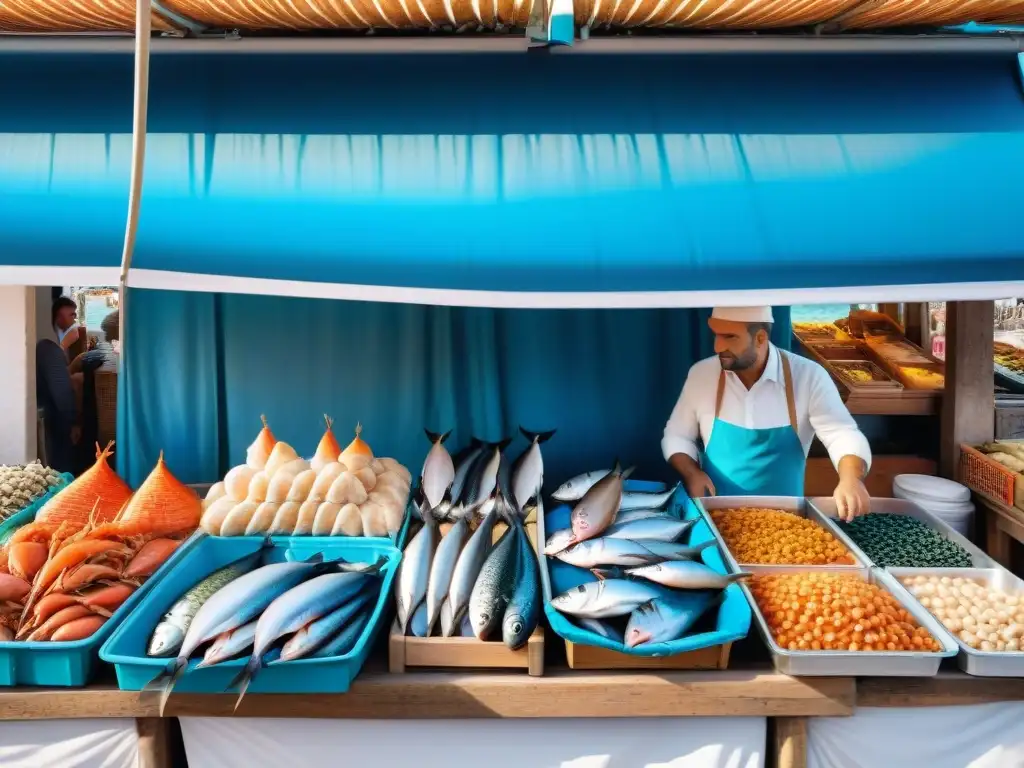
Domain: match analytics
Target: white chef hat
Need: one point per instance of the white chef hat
(743, 314)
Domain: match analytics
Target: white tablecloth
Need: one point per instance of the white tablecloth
(979, 736)
(92, 743)
(565, 743)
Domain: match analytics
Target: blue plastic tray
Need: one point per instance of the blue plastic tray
(126, 649)
(72, 664)
(733, 615)
(28, 514)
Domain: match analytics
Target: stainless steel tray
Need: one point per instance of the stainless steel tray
(857, 663)
(826, 507)
(971, 661)
(796, 504)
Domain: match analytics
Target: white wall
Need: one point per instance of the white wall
(17, 374)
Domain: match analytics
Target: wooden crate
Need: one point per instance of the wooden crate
(468, 652)
(592, 657)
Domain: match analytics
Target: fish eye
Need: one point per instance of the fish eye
(485, 617)
(581, 589)
(517, 627)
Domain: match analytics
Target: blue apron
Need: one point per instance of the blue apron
(756, 462)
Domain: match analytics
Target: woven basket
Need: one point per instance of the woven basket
(106, 406)
(78, 16)
(355, 14)
(982, 474)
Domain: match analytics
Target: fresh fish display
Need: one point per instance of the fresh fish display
(603, 599)
(685, 574)
(643, 500)
(601, 628)
(573, 490)
(665, 528)
(528, 469)
(665, 620)
(598, 507)
(627, 553)
(321, 631)
(438, 472)
(464, 576)
(483, 474)
(229, 645)
(170, 632)
(523, 612)
(629, 515)
(463, 462)
(494, 586)
(293, 610)
(346, 640)
(414, 570)
(443, 568)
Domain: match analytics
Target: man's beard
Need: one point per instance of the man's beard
(744, 361)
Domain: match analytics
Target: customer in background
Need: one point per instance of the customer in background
(70, 335)
(83, 369)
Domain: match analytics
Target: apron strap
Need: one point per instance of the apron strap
(721, 393)
(787, 374)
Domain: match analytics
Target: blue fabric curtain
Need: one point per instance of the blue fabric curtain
(202, 368)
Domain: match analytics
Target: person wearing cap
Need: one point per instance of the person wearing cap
(747, 416)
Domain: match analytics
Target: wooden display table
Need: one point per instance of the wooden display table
(1003, 526)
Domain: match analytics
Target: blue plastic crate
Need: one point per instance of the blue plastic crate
(28, 514)
(126, 649)
(72, 664)
(733, 622)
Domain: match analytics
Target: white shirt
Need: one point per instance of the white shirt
(819, 408)
(61, 334)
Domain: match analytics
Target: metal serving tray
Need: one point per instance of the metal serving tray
(826, 507)
(971, 661)
(857, 663)
(796, 504)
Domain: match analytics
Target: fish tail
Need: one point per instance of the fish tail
(733, 577)
(161, 685)
(501, 445)
(709, 543)
(435, 437)
(627, 472)
(245, 677)
(538, 437)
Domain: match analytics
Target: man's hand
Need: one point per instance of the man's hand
(852, 499)
(698, 484)
(696, 480)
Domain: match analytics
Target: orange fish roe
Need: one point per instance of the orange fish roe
(775, 537)
(836, 612)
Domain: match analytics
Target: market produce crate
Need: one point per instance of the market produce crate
(987, 476)
(796, 505)
(405, 651)
(826, 507)
(126, 649)
(834, 663)
(28, 514)
(73, 664)
(709, 649)
(973, 661)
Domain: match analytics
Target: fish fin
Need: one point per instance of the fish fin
(627, 472)
(436, 437)
(704, 545)
(602, 573)
(244, 678)
(370, 569)
(315, 558)
(162, 684)
(538, 437)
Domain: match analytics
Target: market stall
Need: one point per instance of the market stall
(328, 266)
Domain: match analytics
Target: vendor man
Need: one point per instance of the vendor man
(755, 410)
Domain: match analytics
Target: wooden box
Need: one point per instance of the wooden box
(592, 657)
(467, 652)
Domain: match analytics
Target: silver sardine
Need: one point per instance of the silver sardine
(523, 612)
(229, 645)
(627, 553)
(642, 500)
(414, 571)
(345, 641)
(438, 471)
(685, 574)
(603, 599)
(662, 621)
(494, 586)
(528, 469)
(658, 528)
(467, 569)
(443, 568)
(320, 631)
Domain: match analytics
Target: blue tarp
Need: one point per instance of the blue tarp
(585, 173)
(65, 165)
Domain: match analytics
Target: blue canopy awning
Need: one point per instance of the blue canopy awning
(65, 167)
(521, 180)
